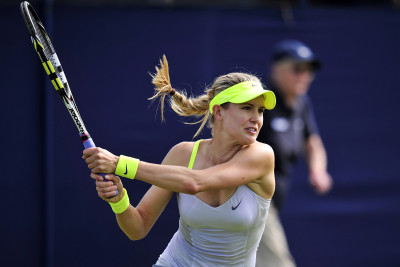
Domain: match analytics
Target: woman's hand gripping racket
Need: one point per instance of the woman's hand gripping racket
(52, 66)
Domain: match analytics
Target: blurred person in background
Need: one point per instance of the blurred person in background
(291, 130)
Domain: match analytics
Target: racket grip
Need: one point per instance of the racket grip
(89, 143)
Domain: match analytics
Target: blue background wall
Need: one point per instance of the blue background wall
(50, 212)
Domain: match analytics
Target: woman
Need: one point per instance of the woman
(224, 184)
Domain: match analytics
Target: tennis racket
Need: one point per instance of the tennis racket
(53, 68)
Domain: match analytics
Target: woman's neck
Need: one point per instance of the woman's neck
(219, 151)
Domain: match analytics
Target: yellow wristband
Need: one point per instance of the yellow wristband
(127, 167)
(121, 205)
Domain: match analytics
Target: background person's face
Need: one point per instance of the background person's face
(292, 77)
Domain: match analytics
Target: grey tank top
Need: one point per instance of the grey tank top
(227, 235)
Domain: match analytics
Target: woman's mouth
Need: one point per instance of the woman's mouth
(251, 130)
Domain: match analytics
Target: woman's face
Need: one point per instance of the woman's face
(242, 122)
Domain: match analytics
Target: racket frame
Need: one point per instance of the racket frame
(51, 63)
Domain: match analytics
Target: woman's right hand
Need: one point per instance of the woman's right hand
(100, 160)
(106, 187)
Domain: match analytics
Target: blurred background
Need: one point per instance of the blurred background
(51, 215)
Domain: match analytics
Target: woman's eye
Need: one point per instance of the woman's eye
(247, 108)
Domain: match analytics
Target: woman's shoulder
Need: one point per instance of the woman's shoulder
(261, 149)
(257, 154)
(180, 153)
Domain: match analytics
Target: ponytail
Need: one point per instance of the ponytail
(179, 102)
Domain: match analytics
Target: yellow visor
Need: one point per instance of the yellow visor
(243, 92)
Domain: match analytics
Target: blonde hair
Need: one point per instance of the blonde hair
(190, 106)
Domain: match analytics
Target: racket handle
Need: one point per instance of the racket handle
(89, 143)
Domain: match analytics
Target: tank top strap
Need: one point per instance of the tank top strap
(194, 153)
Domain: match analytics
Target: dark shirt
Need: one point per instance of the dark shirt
(286, 130)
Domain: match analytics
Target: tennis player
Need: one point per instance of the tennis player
(224, 184)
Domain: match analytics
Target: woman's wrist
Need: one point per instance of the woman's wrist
(116, 159)
(127, 167)
(122, 205)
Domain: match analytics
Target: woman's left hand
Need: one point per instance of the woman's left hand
(100, 160)
(107, 190)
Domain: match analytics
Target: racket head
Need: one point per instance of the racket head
(45, 48)
(36, 28)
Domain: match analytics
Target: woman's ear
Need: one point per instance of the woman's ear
(218, 112)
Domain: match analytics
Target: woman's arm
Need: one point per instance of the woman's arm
(137, 221)
(253, 164)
